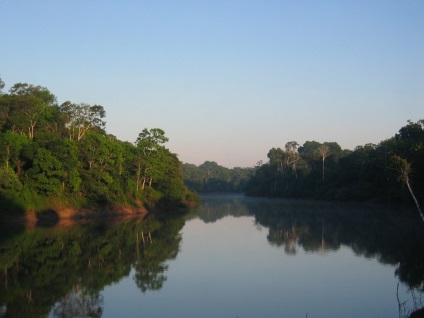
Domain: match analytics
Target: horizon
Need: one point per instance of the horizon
(226, 81)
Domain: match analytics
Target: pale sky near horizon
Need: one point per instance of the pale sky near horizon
(227, 80)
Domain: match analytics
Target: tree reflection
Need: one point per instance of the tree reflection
(150, 277)
(64, 269)
(215, 207)
(150, 267)
(78, 302)
(391, 236)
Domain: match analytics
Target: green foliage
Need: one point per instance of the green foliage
(49, 151)
(46, 174)
(11, 144)
(171, 182)
(9, 179)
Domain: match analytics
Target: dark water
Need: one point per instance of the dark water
(230, 257)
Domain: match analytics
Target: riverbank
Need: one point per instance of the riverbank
(70, 215)
(67, 212)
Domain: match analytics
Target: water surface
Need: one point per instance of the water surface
(230, 257)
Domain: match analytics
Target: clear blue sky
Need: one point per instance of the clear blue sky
(227, 80)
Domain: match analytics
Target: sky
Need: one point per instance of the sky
(227, 80)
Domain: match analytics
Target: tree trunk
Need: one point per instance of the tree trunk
(323, 168)
(7, 155)
(19, 167)
(415, 199)
(295, 170)
(138, 176)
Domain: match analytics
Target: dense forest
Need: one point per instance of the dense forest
(392, 170)
(211, 177)
(63, 152)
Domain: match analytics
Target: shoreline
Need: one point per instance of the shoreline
(68, 216)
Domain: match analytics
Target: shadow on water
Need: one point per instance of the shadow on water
(9, 211)
(47, 218)
(10, 207)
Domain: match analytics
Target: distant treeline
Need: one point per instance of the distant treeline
(211, 177)
(63, 152)
(392, 170)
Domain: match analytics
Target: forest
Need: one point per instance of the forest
(63, 154)
(210, 177)
(391, 171)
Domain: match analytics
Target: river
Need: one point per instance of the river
(232, 256)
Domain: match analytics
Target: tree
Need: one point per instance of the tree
(4, 111)
(170, 181)
(1, 86)
(27, 106)
(276, 159)
(10, 149)
(293, 156)
(9, 179)
(66, 152)
(410, 146)
(46, 174)
(149, 155)
(151, 140)
(24, 114)
(404, 169)
(324, 151)
(39, 92)
(80, 118)
(99, 157)
(310, 155)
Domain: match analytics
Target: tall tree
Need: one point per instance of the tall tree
(41, 93)
(80, 118)
(324, 151)
(149, 155)
(292, 155)
(28, 104)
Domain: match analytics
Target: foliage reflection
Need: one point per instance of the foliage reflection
(390, 236)
(62, 270)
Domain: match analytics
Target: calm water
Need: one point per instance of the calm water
(230, 257)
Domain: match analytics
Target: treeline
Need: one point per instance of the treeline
(211, 177)
(392, 170)
(63, 151)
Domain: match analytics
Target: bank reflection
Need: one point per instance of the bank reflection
(61, 271)
(391, 236)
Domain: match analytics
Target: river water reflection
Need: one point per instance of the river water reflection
(230, 257)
